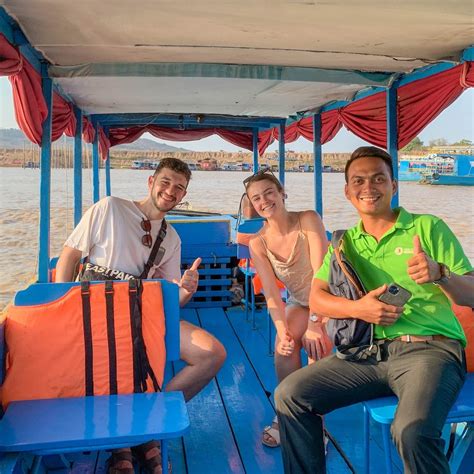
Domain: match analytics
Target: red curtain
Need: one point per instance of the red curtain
(11, 61)
(29, 104)
(88, 132)
(367, 118)
(122, 135)
(419, 103)
(330, 125)
(64, 120)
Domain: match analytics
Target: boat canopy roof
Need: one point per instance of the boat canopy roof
(113, 57)
(249, 59)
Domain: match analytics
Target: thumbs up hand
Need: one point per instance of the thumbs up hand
(190, 279)
(421, 268)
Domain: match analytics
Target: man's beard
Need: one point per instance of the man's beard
(168, 208)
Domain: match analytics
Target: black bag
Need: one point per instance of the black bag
(353, 338)
(93, 272)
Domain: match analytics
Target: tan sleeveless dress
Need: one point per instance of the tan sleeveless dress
(296, 273)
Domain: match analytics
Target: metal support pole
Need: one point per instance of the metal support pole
(78, 167)
(318, 164)
(255, 150)
(392, 132)
(281, 148)
(45, 180)
(95, 164)
(107, 170)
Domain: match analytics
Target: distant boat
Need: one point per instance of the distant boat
(31, 164)
(457, 170)
(439, 169)
(231, 167)
(305, 168)
(144, 165)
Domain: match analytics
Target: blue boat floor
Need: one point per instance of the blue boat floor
(228, 416)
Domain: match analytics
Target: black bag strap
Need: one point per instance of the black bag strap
(337, 241)
(348, 352)
(337, 238)
(87, 329)
(141, 364)
(109, 307)
(156, 246)
(135, 313)
(354, 353)
(452, 440)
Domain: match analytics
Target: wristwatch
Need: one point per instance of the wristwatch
(445, 274)
(314, 318)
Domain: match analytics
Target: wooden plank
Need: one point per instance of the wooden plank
(213, 293)
(211, 260)
(101, 466)
(175, 446)
(84, 463)
(215, 282)
(255, 345)
(345, 424)
(246, 403)
(214, 271)
(209, 445)
(208, 304)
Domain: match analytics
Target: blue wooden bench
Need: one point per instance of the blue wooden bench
(382, 410)
(67, 425)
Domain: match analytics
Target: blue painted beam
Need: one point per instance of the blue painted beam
(45, 182)
(108, 188)
(6, 26)
(187, 121)
(281, 154)
(468, 54)
(78, 167)
(404, 79)
(392, 133)
(95, 164)
(318, 164)
(224, 71)
(255, 150)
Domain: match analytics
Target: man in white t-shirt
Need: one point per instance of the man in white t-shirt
(118, 234)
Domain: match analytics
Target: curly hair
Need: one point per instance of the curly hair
(174, 164)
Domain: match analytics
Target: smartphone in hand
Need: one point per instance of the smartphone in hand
(395, 295)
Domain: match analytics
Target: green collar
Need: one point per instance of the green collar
(404, 221)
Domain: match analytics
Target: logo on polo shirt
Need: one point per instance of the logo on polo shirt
(403, 251)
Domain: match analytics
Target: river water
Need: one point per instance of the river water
(216, 191)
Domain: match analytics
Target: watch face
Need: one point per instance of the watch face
(445, 274)
(313, 318)
(445, 271)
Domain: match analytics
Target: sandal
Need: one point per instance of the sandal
(273, 435)
(122, 457)
(149, 457)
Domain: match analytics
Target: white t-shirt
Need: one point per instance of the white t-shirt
(110, 234)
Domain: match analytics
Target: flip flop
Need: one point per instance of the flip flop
(274, 434)
(151, 463)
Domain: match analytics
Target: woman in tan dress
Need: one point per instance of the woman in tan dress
(290, 247)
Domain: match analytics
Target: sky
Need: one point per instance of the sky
(454, 123)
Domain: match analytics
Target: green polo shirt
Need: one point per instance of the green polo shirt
(428, 312)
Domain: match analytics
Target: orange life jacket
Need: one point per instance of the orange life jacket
(466, 318)
(56, 350)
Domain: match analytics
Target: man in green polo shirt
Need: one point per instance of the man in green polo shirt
(420, 355)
